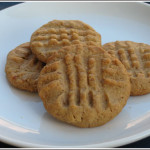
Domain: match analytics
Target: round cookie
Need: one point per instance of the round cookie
(83, 86)
(23, 68)
(136, 59)
(59, 33)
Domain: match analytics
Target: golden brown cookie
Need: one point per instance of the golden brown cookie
(136, 59)
(83, 86)
(23, 68)
(59, 33)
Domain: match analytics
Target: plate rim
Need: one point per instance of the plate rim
(114, 143)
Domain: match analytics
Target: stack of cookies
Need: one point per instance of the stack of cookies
(79, 81)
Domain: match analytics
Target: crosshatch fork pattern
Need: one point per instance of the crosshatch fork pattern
(136, 59)
(134, 56)
(57, 34)
(81, 75)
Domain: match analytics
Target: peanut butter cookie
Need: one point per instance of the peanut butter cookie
(136, 59)
(83, 86)
(59, 33)
(23, 68)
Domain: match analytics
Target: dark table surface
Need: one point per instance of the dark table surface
(144, 143)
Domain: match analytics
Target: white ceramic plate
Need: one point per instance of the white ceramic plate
(23, 119)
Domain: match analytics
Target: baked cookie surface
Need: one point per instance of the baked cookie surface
(23, 68)
(136, 59)
(83, 86)
(59, 33)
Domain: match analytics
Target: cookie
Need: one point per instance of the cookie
(59, 33)
(23, 68)
(83, 86)
(136, 59)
